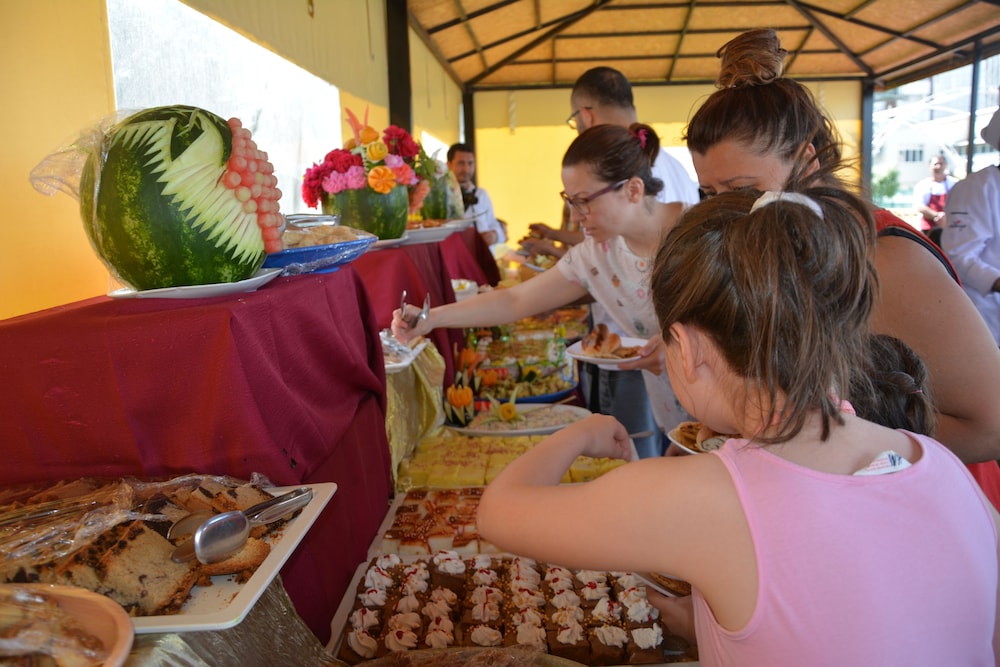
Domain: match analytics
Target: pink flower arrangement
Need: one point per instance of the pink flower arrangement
(368, 160)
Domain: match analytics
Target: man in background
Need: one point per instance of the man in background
(462, 163)
(971, 238)
(930, 194)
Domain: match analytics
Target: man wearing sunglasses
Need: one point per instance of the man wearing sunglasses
(462, 162)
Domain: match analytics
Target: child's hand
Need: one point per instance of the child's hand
(601, 436)
(676, 613)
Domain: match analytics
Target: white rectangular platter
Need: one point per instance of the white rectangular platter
(226, 603)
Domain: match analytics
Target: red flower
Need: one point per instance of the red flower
(341, 160)
(400, 142)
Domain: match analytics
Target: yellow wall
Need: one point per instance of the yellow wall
(56, 79)
(521, 137)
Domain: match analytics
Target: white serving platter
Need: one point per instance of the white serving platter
(574, 410)
(262, 277)
(428, 235)
(403, 364)
(226, 603)
(381, 244)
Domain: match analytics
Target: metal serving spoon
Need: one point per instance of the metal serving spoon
(222, 535)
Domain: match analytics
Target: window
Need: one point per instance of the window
(159, 57)
(911, 155)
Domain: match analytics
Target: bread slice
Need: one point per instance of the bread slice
(138, 574)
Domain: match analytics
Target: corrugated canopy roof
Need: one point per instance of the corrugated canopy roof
(509, 44)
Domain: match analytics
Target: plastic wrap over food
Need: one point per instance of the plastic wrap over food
(317, 247)
(41, 525)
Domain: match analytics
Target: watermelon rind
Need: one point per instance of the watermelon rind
(384, 215)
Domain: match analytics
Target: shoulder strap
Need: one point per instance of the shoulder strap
(913, 235)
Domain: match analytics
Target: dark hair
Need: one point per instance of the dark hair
(606, 86)
(615, 153)
(759, 108)
(459, 148)
(891, 389)
(785, 294)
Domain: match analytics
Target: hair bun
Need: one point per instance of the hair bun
(751, 59)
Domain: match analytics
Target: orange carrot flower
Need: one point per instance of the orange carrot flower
(381, 179)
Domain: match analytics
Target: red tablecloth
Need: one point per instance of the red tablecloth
(466, 255)
(287, 381)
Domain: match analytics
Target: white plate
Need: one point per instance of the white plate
(199, 291)
(674, 439)
(391, 368)
(576, 351)
(429, 235)
(459, 225)
(96, 614)
(226, 603)
(389, 243)
(572, 409)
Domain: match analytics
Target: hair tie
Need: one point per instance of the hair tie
(641, 136)
(772, 196)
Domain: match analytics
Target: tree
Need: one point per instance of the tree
(885, 187)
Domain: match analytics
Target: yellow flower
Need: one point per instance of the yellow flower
(508, 412)
(368, 135)
(377, 150)
(381, 179)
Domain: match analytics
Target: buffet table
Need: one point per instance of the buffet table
(287, 382)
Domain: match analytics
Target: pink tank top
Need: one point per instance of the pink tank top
(896, 569)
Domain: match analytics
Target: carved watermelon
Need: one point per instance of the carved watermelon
(179, 196)
(444, 201)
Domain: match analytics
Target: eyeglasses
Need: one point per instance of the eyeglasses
(582, 204)
(571, 121)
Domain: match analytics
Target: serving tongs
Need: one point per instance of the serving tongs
(422, 315)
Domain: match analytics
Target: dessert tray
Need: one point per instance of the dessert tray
(226, 603)
(262, 277)
(610, 363)
(672, 652)
(577, 413)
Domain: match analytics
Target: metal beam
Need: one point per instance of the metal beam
(816, 23)
(567, 22)
(397, 39)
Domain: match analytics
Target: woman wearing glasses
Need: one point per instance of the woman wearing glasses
(611, 193)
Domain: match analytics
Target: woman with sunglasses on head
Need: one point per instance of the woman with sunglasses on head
(761, 130)
(611, 193)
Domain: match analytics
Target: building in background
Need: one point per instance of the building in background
(914, 122)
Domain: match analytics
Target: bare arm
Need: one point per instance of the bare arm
(677, 515)
(922, 306)
(547, 290)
